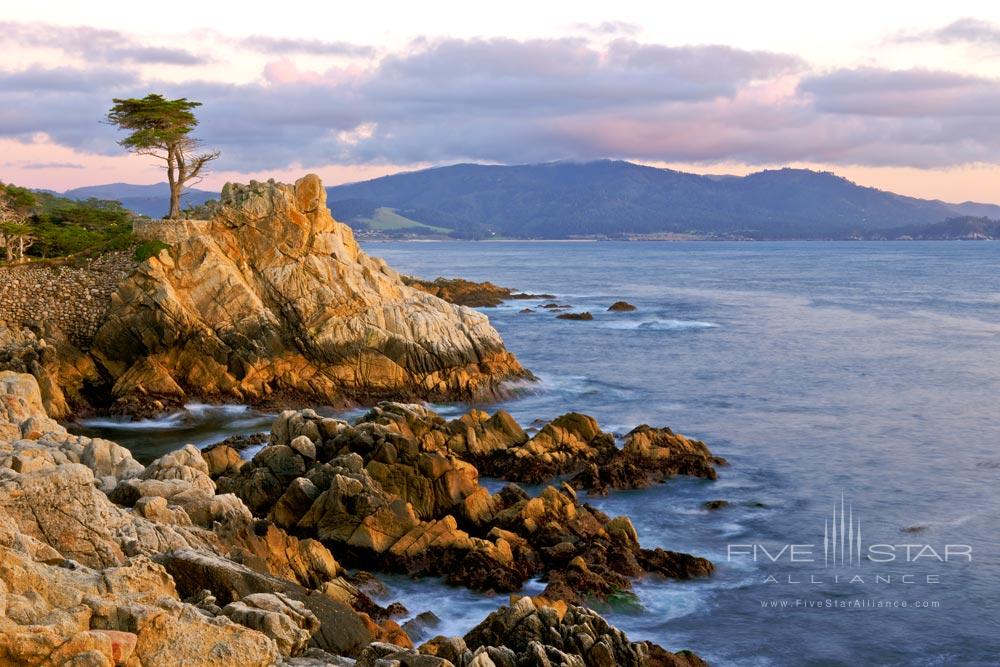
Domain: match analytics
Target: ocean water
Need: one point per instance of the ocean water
(826, 373)
(867, 372)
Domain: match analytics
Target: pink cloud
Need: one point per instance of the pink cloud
(285, 72)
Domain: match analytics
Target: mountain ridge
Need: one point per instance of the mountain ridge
(604, 198)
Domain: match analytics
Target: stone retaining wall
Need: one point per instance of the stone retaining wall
(168, 231)
(74, 297)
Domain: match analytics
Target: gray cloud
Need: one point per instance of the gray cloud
(66, 79)
(505, 100)
(916, 118)
(964, 30)
(22, 164)
(283, 46)
(94, 44)
(907, 93)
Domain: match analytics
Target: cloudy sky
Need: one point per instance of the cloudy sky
(892, 94)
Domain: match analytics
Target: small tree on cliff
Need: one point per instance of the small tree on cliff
(162, 128)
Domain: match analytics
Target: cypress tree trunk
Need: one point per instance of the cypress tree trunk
(175, 184)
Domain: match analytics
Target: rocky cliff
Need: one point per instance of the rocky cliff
(273, 299)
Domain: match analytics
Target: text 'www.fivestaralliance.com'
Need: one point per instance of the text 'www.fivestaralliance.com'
(847, 603)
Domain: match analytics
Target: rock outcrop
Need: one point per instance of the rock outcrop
(462, 292)
(539, 632)
(399, 489)
(65, 375)
(469, 293)
(274, 299)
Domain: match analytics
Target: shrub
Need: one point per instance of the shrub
(148, 249)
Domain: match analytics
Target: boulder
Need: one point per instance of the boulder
(621, 307)
(222, 460)
(129, 614)
(288, 622)
(63, 508)
(341, 630)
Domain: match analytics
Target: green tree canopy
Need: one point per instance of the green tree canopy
(162, 128)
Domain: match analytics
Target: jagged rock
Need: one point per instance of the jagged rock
(674, 564)
(157, 510)
(303, 446)
(267, 548)
(420, 625)
(275, 298)
(30, 440)
(124, 615)
(21, 408)
(181, 477)
(649, 455)
(387, 655)
(55, 513)
(61, 370)
(667, 453)
(314, 657)
(539, 632)
(63, 508)
(462, 292)
(564, 445)
(391, 490)
(288, 622)
(294, 502)
(450, 648)
(342, 631)
(477, 435)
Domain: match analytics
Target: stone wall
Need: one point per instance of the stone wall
(168, 231)
(74, 297)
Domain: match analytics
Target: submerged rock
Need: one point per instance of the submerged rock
(621, 307)
(575, 316)
(274, 298)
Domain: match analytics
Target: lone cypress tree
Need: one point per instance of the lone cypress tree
(162, 128)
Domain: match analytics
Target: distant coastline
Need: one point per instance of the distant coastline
(613, 199)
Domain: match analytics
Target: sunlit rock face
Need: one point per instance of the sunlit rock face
(274, 300)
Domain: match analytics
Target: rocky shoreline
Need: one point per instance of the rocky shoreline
(208, 559)
(204, 557)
